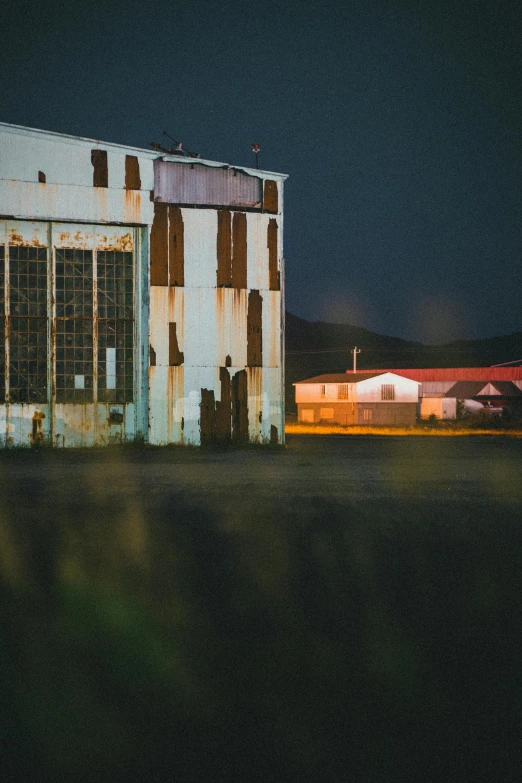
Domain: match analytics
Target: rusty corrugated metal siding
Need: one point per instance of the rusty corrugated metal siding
(195, 183)
(229, 325)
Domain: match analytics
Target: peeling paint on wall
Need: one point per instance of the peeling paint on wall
(226, 419)
(240, 407)
(239, 250)
(176, 247)
(274, 282)
(100, 174)
(207, 420)
(255, 329)
(224, 249)
(270, 199)
(132, 173)
(159, 271)
(175, 355)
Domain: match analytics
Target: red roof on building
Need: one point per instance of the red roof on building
(460, 374)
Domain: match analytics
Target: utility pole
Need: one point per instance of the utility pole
(355, 351)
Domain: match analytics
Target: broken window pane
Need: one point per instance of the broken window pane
(115, 326)
(28, 324)
(115, 367)
(74, 325)
(74, 357)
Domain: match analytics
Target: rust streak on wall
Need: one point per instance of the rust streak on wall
(271, 242)
(152, 360)
(255, 329)
(270, 200)
(240, 407)
(176, 247)
(132, 173)
(159, 246)
(100, 175)
(207, 419)
(239, 250)
(176, 356)
(224, 249)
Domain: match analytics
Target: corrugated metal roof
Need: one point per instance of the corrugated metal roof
(461, 373)
(468, 389)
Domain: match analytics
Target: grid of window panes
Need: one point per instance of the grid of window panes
(74, 325)
(28, 324)
(2, 323)
(115, 327)
(115, 361)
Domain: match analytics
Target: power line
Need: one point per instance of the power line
(424, 349)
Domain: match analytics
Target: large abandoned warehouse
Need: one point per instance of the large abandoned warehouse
(141, 295)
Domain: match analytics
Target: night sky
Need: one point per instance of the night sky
(398, 123)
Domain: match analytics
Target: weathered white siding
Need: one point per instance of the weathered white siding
(201, 343)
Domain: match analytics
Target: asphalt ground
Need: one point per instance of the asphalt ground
(346, 608)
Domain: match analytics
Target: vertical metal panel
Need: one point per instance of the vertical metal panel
(273, 415)
(197, 378)
(257, 272)
(176, 378)
(200, 247)
(159, 318)
(158, 405)
(200, 327)
(195, 183)
(270, 196)
(271, 329)
(231, 326)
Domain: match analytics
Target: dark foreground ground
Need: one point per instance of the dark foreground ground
(348, 609)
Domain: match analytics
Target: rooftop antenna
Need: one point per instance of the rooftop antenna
(355, 351)
(256, 149)
(178, 150)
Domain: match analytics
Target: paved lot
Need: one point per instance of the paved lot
(446, 476)
(342, 609)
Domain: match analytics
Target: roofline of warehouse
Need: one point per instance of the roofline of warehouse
(152, 154)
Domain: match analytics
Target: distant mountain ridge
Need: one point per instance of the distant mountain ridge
(315, 347)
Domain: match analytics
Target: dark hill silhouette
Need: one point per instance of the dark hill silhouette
(315, 347)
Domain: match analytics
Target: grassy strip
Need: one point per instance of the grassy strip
(325, 429)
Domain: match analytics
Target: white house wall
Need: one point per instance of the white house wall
(370, 389)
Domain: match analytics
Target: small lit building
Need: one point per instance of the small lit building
(444, 390)
(363, 398)
(140, 295)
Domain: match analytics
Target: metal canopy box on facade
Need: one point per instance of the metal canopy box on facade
(140, 295)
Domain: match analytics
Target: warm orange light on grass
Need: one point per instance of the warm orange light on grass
(329, 429)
